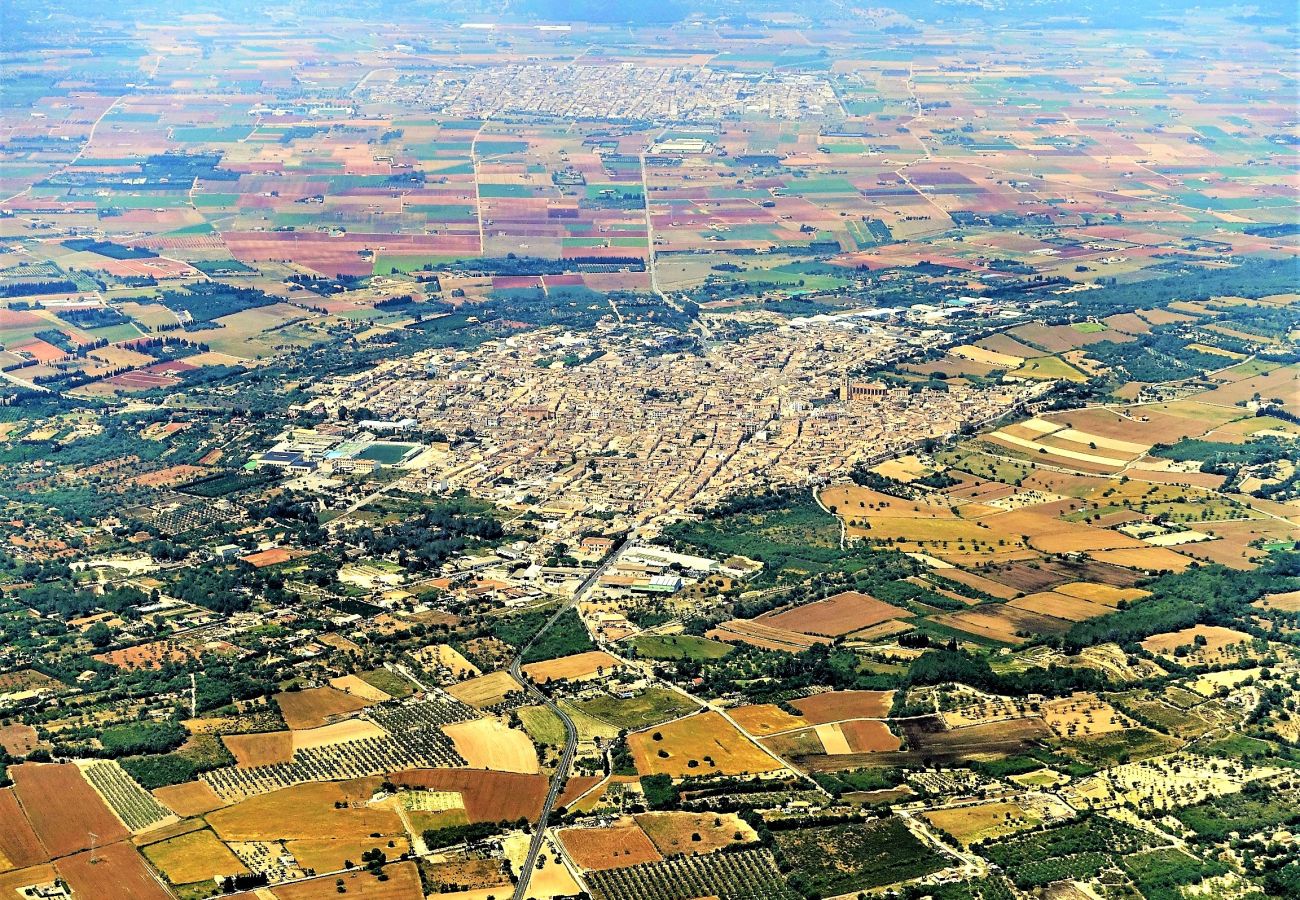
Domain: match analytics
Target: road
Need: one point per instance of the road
(570, 730)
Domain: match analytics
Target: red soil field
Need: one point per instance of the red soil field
(63, 809)
(869, 736)
(115, 871)
(840, 614)
(19, 846)
(488, 796)
(837, 705)
(608, 848)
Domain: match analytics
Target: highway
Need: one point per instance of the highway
(570, 730)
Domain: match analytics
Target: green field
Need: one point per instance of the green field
(679, 646)
(652, 706)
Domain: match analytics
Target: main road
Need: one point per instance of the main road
(570, 730)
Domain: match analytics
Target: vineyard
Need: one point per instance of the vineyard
(1080, 849)
(414, 741)
(135, 806)
(745, 875)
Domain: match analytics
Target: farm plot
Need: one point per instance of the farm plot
(135, 806)
(65, 827)
(412, 740)
(1205, 645)
(650, 707)
(193, 798)
(1003, 623)
(317, 706)
(841, 614)
(836, 859)
(487, 796)
(579, 667)
(1083, 715)
(197, 856)
(115, 871)
(486, 691)
(968, 824)
(698, 745)
(694, 833)
(19, 846)
(491, 744)
(744, 631)
(608, 847)
(1061, 606)
(320, 810)
(402, 883)
(834, 706)
(743, 875)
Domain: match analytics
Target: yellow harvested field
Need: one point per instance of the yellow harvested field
(447, 657)
(988, 357)
(351, 684)
(611, 847)
(580, 666)
(486, 690)
(1086, 438)
(193, 798)
(905, 469)
(1082, 715)
(197, 856)
(1206, 644)
(762, 719)
(832, 739)
(702, 744)
(694, 833)
(1146, 559)
(1105, 594)
(491, 744)
(969, 824)
(330, 855)
(336, 733)
(1062, 606)
(1046, 450)
(307, 812)
(1287, 602)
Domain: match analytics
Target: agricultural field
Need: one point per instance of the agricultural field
(649, 451)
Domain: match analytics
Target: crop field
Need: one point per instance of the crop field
(19, 846)
(679, 646)
(579, 667)
(111, 871)
(490, 744)
(402, 883)
(743, 875)
(67, 827)
(192, 798)
(612, 847)
(704, 744)
(836, 859)
(488, 796)
(316, 706)
(197, 856)
(306, 811)
(260, 749)
(834, 616)
(650, 707)
(487, 690)
(968, 824)
(838, 705)
(675, 833)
